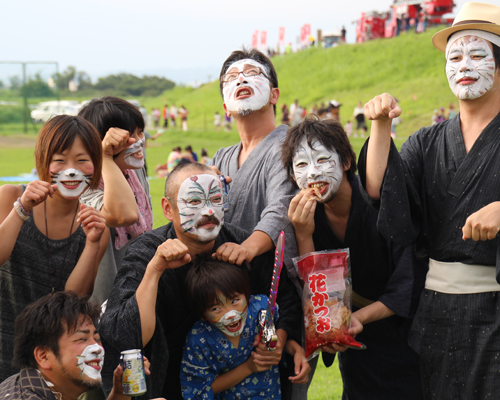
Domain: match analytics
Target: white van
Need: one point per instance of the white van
(47, 109)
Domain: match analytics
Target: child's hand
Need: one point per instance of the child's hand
(253, 366)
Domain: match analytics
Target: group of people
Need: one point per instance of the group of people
(440, 115)
(167, 113)
(177, 157)
(421, 226)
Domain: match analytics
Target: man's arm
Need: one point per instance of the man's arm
(381, 110)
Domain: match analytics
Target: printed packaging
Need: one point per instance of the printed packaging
(326, 299)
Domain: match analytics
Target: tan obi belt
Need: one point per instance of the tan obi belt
(458, 278)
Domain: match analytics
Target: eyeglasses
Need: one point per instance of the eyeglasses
(198, 202)
(231, 76)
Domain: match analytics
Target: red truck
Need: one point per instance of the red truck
(402, 15)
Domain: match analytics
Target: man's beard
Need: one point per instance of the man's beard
(245, 112)
(84, 383)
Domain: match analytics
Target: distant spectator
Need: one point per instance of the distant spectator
(156, 114)
(205, 159)
(292, 108)
(285, 119)
(296, 116)
(189, 149)
(441, 116)
(333, 111)
(452, 112)
(359, 115)
(183, 112)
(314, 110)
(165, 116)
(227, 122)
(145, 115)
(342, 34)
(322, 113)
(173, 160)
(217, 121)
(348, 128)
(173, 115)
(435, 116)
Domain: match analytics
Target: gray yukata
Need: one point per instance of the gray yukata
(260, 193)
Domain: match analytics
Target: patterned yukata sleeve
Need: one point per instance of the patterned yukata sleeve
(197, 373)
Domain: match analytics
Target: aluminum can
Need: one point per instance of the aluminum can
(133, 376)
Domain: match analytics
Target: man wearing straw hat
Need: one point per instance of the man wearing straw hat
(442, 192)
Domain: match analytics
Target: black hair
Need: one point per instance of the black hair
(112, 112)
(330, 134)
(171, 184)
(208, 278)
(43, 323)
(252, 54)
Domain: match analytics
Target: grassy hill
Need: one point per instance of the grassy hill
(408, 67)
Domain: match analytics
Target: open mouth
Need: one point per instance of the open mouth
(71, 184)
(137, 154)
(96, 364)
(243, 93)
(234, 327)
(318, 188)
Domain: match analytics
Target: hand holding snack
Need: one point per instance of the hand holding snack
(301, 213)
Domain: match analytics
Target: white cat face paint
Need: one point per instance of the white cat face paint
(317, 167)
(470, 67)
(90, 361)
(200, 201)
(134, 155)
(70, 182)
(246, 94)
(233, 321)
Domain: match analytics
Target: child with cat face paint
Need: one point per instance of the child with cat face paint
(49, 241)
(218, 360)
(123, 193)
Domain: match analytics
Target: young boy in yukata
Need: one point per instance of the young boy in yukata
(218, 360)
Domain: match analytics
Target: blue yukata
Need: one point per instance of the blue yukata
(208, 353)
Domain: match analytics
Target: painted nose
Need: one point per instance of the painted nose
(313, 172)
(466, 64)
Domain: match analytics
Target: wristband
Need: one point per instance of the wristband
(18, 206)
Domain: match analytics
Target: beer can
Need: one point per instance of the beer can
(133, 375)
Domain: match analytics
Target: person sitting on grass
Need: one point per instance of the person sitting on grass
(219, 352)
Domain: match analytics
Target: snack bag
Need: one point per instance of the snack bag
(326, 299)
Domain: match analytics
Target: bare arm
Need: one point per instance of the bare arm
(82, 279)
(10, 221)
(170, 254)
(119, 208)
(381, 110)
(374, 312)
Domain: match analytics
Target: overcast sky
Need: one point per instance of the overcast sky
(184, 40)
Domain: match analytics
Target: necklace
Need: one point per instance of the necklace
(52, 271)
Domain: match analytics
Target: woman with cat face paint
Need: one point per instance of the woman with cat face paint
(122, 195)
(49, 241)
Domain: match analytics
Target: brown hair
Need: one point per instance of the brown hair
(58, 134)
(328, 132)
(207, 278)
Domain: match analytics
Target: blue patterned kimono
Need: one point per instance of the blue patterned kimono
(208, 353)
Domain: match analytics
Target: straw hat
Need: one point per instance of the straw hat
(481, 16)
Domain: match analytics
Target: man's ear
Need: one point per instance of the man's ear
(228, 113)
(347, 166)
(43, 357)
(275, 95)
(167, 208)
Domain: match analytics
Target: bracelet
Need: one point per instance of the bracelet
(18, 206)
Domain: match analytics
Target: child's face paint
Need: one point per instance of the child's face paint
(470, 67)
(228, 315)
(90, 361)
(246, 94)
(200, 202)
(134, 155)
(318, 167)
(71, 182)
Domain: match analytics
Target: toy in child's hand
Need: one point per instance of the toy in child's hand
(266, 317)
